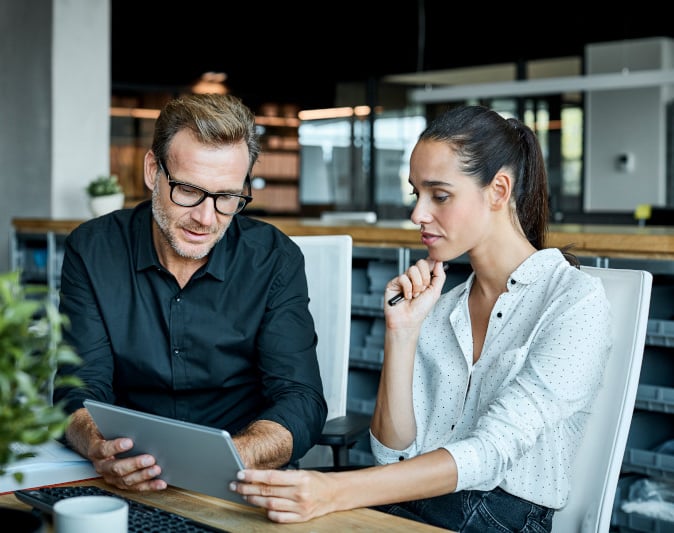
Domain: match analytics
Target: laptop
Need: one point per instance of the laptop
(191, 456)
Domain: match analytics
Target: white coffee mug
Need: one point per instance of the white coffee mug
(91, 514)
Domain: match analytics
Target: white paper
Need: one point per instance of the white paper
(52, 463)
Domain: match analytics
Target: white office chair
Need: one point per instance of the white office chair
(328, 267)
(596, 467)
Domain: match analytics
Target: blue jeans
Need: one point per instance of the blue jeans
(474, 511)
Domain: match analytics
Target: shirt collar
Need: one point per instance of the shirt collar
(535, 266)
(146, 256)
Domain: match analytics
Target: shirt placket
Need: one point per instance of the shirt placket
(500, 312)
(460, 323)
(179, 374)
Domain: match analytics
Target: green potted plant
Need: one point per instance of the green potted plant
(105, 194)
(31, 349)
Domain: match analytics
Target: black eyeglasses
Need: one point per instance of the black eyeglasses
(186, 195)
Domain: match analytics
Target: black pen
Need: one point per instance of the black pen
(400, 296)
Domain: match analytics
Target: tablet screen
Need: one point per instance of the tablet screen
(191, 456)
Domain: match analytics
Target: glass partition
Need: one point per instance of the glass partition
(345, 167)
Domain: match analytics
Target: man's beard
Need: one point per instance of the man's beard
(163, 221)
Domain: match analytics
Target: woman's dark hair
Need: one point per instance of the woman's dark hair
(485, 142)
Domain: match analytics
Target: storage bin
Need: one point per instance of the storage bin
(634, 522)
(660, 332)
(654, 398)
(648, 433)
(380, 273)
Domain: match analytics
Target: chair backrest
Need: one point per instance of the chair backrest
(328, 268)
(596, 467)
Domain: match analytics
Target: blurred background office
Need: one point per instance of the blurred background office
(340, 93)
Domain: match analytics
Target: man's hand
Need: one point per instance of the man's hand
(137, 473)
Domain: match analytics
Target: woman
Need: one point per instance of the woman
(484, 390)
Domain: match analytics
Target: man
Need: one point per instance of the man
(185, 308)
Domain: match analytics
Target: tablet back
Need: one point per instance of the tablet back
(191, 456)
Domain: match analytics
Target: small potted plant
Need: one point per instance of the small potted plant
(105, 194)
(31, 350)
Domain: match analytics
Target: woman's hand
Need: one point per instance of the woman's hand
(288, 495)
(420, 286)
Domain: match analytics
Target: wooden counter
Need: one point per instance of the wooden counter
(650, 242)
(653, 242)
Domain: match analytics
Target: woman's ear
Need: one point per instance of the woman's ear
(500, 190)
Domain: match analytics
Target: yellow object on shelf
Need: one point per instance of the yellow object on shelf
(642, 213)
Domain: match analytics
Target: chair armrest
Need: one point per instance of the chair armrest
(344, 430)
(341, 433)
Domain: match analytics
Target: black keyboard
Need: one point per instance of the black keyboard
(142, 518)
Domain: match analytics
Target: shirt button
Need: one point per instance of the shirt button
(512, 282)
(176, 352)
(499, 314)
(178, 299)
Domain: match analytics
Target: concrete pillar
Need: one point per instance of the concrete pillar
(54, 108)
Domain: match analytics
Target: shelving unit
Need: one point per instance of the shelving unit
(39, 257)
(381, 253)
(652, 423)
(277, 170)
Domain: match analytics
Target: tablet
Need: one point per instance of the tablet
(191, 456)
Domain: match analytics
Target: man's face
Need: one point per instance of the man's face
(192, 232)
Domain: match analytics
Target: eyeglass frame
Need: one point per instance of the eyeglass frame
(247, 198)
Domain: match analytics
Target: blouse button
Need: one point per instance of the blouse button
(512, 282)
(401, 458)
(499, 314)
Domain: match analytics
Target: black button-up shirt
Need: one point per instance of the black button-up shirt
(236, 344)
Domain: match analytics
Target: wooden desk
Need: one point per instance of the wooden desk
(235, 517)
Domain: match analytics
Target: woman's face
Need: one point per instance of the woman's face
(451, 209)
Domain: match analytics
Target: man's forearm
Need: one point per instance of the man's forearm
(264, 444)
(80, 431)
